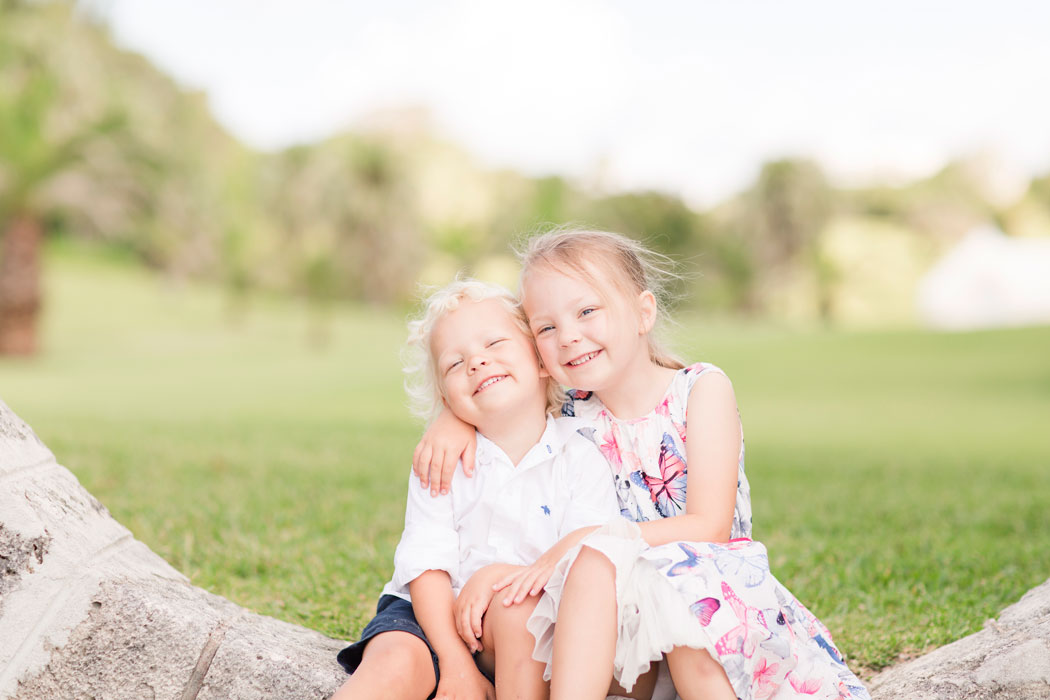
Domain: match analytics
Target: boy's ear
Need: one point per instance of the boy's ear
(646, 311)
(544, 374)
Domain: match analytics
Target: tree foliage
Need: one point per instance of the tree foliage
(95, 142)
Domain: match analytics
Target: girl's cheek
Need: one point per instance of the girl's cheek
(550, 359)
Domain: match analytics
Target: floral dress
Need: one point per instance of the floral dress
(718, 597)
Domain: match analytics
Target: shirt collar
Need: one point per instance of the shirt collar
(550, 444)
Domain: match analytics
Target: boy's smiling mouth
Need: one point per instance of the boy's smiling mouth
(583, 359)
(489, 382)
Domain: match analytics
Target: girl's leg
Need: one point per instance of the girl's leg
(395, 666)
(585, 635)
(697, 676)
(507, 654)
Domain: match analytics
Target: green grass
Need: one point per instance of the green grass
(899, 479)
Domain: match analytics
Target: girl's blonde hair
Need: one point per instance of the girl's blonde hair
(603, 259)
(422, 383)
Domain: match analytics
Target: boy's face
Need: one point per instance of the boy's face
(486, 366)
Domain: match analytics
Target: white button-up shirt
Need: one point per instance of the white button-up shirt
(505, 513)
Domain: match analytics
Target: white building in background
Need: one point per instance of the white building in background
(988, 280)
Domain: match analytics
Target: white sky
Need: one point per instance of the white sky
(685, 96)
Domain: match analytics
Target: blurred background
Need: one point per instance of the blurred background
(214, 217)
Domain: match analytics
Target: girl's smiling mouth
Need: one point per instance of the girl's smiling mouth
(583, 359)
(489, 382)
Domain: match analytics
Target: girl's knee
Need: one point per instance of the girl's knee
(509, 620)
(591, 564)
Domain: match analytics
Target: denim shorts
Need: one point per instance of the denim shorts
(393, 614)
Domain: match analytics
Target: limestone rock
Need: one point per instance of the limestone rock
(87, 611)
(1008, 660)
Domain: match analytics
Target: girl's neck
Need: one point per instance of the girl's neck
(515, 434)
(639, 390)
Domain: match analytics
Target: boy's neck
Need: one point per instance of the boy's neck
(515, 433)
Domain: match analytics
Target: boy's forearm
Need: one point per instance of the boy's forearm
(432, 600)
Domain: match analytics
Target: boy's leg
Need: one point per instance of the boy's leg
(697, 676)
(395, 666)
(507, 651)
(585, 635)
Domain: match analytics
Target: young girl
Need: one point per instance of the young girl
(679, 577)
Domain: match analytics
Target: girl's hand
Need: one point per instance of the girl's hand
(471, 604)
(445, 442)
(463, 682)
(529, 581)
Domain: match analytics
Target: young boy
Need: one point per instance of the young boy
(539, 480)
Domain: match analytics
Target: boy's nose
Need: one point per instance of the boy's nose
(477, 362)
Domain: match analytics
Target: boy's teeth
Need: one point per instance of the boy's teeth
(489, 381)
(581, 360)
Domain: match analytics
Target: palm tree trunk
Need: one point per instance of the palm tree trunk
(20, 285)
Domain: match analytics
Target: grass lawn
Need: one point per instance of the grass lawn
(899, 479)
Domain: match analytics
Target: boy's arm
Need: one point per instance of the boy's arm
(429, 541)
(432, 600)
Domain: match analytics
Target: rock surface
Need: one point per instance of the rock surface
(87, 611)
(1008, 660)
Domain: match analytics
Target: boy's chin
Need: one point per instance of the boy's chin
(513, 403)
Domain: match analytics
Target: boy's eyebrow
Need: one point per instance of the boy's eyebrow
(442, 358)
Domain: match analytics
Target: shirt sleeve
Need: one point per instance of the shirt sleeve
(430, 540)
(590, 480)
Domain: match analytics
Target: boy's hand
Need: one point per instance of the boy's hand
(472, 603)
(445, 442)
(463, 681)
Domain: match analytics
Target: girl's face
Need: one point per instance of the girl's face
(586, 340)
(485, 365)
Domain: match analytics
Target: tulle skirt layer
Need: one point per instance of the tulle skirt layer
(720, 598)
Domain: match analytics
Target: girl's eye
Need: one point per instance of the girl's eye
(453, 366)
(589, 310)
(496, 342)
(543, 329)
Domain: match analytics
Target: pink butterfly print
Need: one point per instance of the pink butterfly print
(764, 680)
(810, 686)
(611, 450)
(745, 637)
(680, 427)
(705, 609)
(668, 490)
(664, 409)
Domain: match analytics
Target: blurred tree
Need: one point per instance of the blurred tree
(663, 221)
(347, 200)
(34, 151)
(782, 216)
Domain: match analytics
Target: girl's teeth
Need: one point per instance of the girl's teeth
(585, 358)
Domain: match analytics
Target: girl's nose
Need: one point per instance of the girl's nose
(568, 336)
(477, 362)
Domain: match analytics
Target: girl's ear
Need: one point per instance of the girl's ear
(544, 374)
(646, 312)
